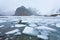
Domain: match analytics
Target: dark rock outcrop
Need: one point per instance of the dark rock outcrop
(22, 11)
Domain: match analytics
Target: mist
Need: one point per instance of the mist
(8, 7)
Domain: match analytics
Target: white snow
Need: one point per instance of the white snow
(30, 31)
(42, 36)
(12, 32)
(20, 25)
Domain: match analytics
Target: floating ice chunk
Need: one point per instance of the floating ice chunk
(12, 26)
(24, 21)
(14, 20)
(30, 31)
(20, 25)
(32, 25)
(1, 26)
(44, 32)
(1, 21)
(46, 28)
(58, 25)
(12, 32)
(29, 21)
(42, 36)
(18, 33)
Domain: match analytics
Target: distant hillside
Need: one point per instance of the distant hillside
(55, 12)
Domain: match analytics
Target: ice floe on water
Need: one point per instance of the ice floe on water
(46, 28)
(42, 36)
(58, 25)
(1, 26)
(1, 21)
(20, 25)
(30, 31)
(37, 26)
(12, 31)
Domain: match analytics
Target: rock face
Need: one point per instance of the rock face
(55, 15)
(22, 11)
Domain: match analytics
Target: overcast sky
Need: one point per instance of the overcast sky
(44, 6)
